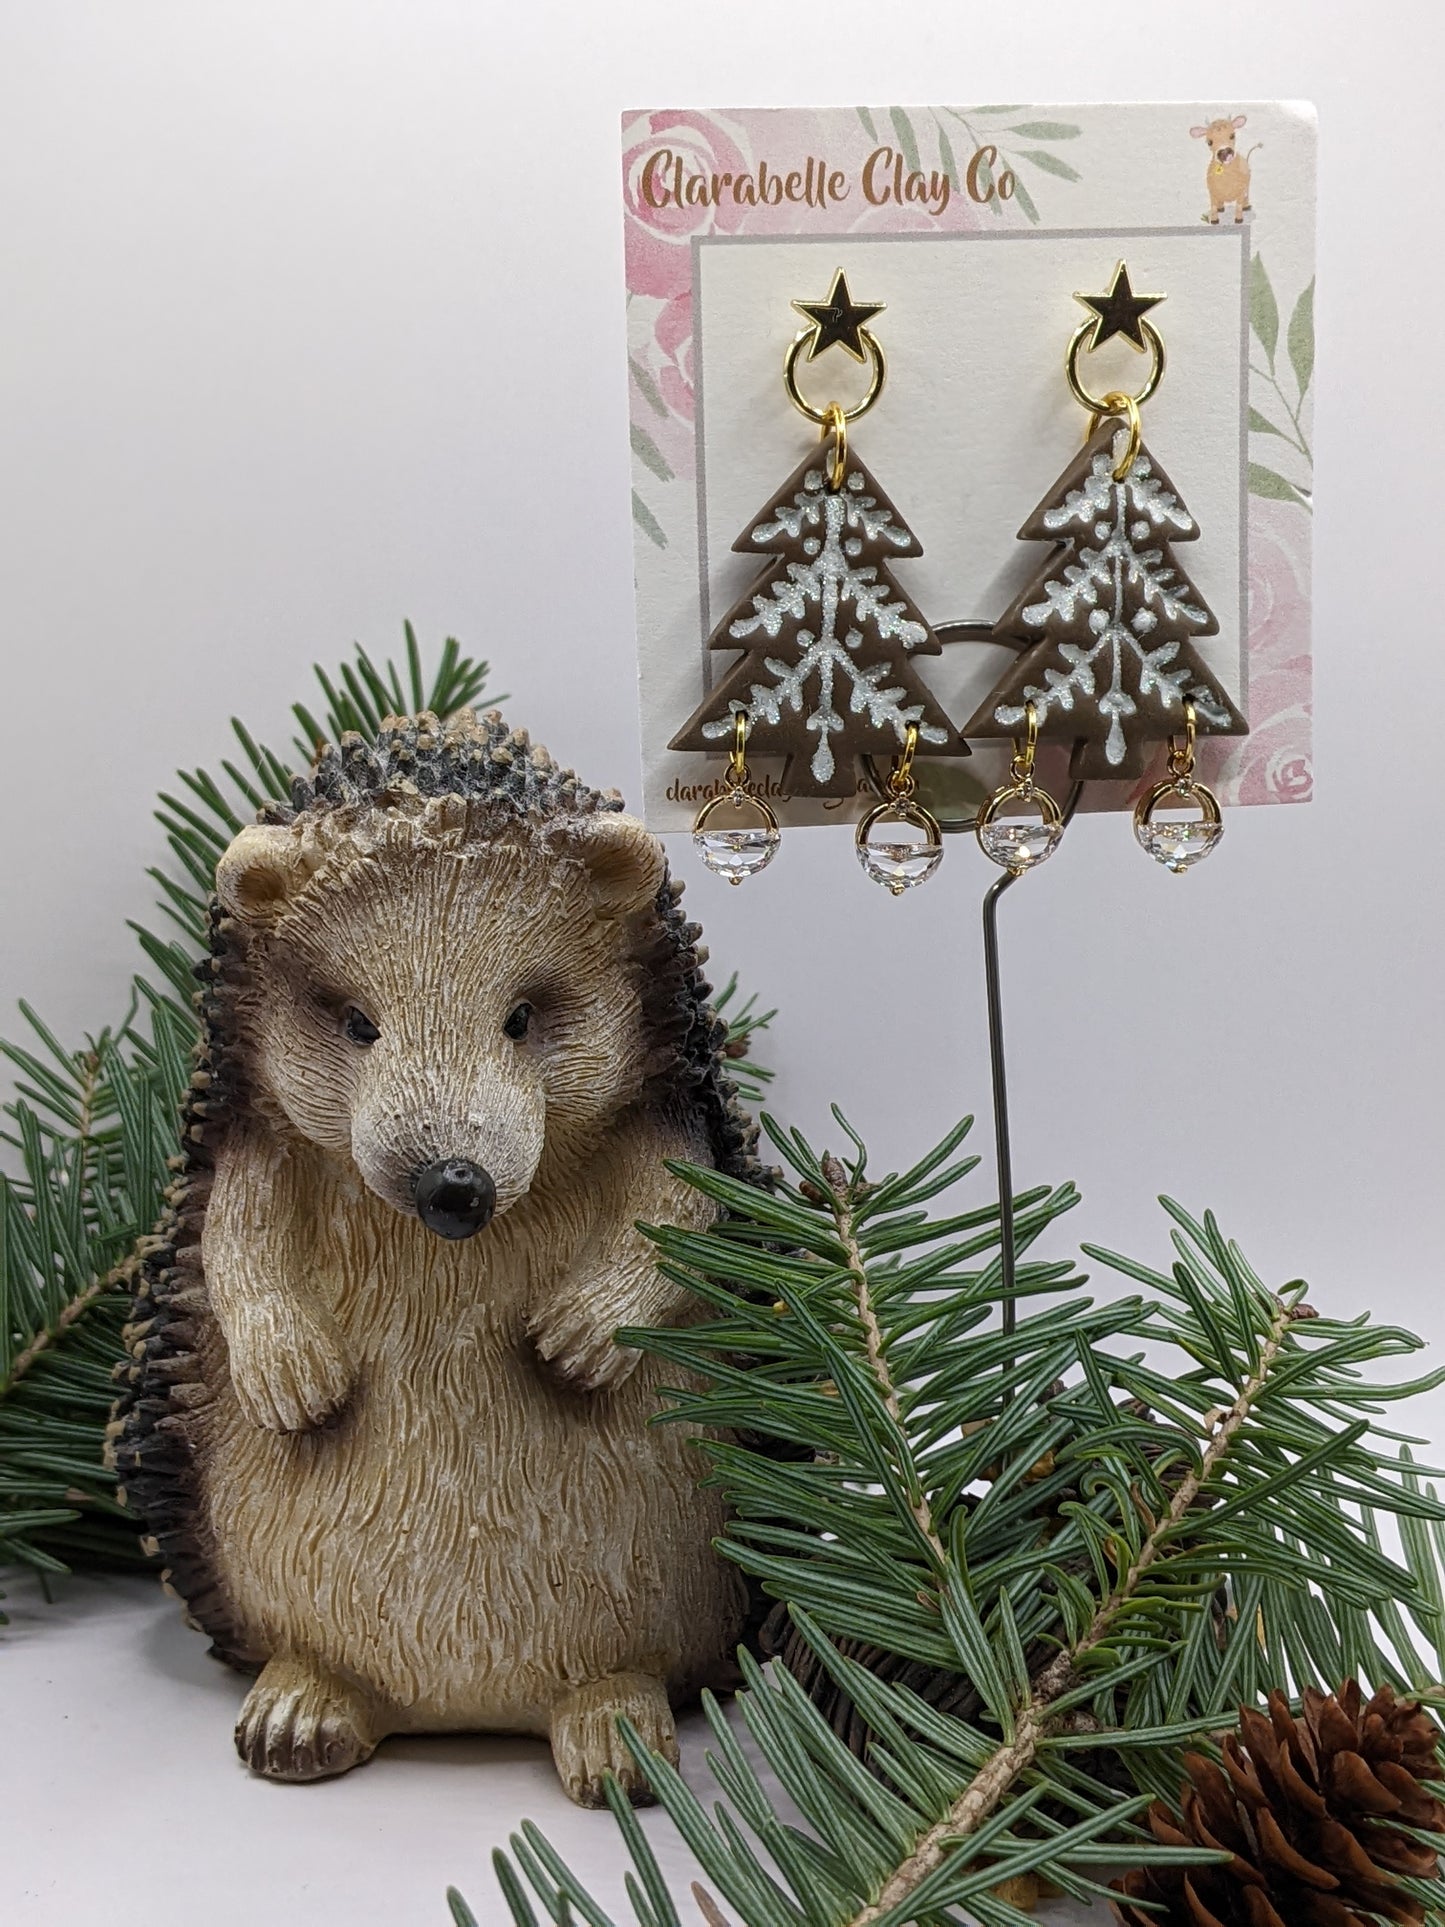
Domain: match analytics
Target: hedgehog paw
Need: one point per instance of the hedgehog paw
(574, 1331)
(586, 1743)
(580, 1355)
(300, 1722)
(288, 1366)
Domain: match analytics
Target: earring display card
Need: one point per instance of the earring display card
(975, 227)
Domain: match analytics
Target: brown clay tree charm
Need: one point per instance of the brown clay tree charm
(828, 637)
(1106, 625)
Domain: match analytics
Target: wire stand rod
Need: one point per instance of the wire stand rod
(998, 1073)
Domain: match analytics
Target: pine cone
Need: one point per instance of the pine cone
(1310, 1808)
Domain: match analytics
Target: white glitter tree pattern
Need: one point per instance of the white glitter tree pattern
(828, 638)
(1105, 625)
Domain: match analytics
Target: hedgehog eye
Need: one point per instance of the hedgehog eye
(518, 1022)
(359, 1027)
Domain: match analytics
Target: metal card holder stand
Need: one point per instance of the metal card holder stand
(977, 631)
(998, 1076)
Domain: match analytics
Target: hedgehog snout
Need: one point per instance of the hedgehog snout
(454, 1197)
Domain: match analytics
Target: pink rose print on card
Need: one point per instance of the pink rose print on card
(666, 153)
(672, 334)
(1272, 763)
(1278, 588)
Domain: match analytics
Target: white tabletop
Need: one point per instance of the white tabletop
(125, 1802)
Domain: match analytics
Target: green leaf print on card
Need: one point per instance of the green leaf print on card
(907, 139)
(1268, 481)
(1280, 416)
(643, 516)
(1045, 130)
(649, 454)
(993, 174)
(1263, 308)
(647, 387)
(1050, 163)
(1301, 338)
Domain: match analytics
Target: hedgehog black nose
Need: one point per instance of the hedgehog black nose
(455, 1198)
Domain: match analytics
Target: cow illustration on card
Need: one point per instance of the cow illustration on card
(1227, 176)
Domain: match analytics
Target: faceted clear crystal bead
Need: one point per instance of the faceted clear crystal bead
(1019, 843)
(908, 846)
(736, 854)
(1180, 843)
(1191, 829)
(898, 864)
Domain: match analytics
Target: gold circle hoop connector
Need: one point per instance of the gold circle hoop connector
(1098, 405)
(900, 863)
(1179, 843)
(1115, 402)
(836, 425)
(738, 850)
(1020, 846)
(878, 374)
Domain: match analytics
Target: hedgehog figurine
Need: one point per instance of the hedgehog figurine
(373, 1415)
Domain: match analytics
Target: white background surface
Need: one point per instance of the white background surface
(311, 320)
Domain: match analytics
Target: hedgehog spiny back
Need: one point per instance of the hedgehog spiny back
(464, 754)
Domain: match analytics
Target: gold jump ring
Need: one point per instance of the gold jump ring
(900, 781)
(822, 416)
(1022, 766)
(1116, 402)
(1181, 756)
(1120, 404)
(737, 762)
(836, 425)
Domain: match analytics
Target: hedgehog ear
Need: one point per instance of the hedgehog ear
(261, 871)
(624, 860)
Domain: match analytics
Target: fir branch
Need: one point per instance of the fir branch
(1226, 1430)
(1024, 1570)
(50, 1335)
(83, 1114)
(841, 1193)
(744, 1021)
(1000, 1772)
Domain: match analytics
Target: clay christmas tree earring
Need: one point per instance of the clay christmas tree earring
(1018, 843)
(1105, 625)
(826, 677)
(736, 850)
